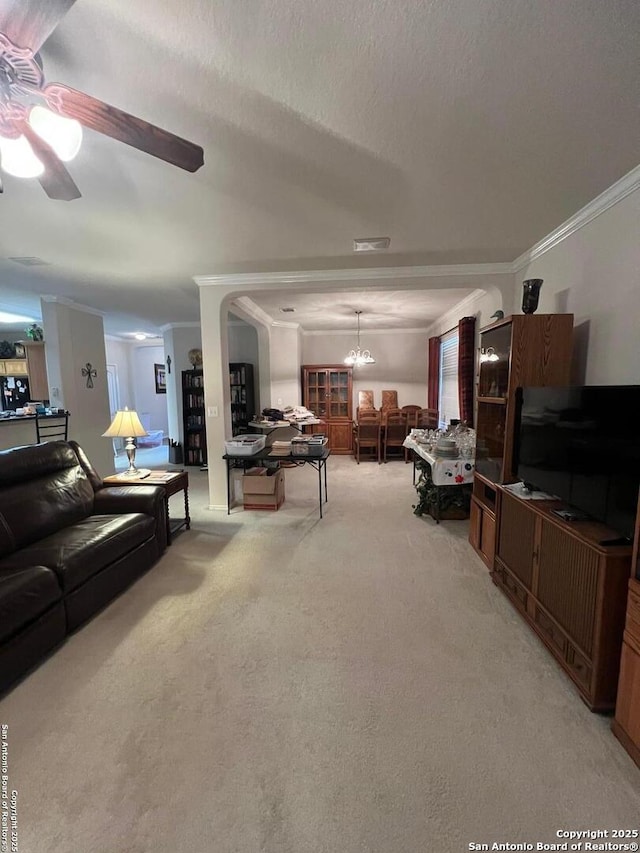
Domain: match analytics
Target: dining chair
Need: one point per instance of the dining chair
(394, 430)
(412, 423)
(365, 400)
(389, 400)
(412, 416)
(367, 433)
(427, 419)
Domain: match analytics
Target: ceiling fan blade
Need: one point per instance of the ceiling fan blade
(55, 181)
(29, 23)
(96, 115)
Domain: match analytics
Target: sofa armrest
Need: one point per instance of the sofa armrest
(150, 500)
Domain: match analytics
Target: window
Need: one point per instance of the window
(448, 403)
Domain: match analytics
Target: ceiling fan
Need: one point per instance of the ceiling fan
(41, 123)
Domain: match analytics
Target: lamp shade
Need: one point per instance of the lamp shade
(126, 424)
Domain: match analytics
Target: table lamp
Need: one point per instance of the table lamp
(126, 424)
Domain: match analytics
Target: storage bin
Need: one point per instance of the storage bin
(304, 447)
(245, 445)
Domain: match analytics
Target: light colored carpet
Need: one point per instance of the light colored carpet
(281, 684)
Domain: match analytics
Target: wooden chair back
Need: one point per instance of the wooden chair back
(367, 433)
(427, 419)
(412, 416)
(365, 400)
(394, 429)
(389, 400)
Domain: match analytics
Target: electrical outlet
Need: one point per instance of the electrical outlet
(279, 401)
(212, 411)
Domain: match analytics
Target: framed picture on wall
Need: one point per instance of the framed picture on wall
(160, 378)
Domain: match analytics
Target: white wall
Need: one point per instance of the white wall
(595, 274)
(401, 362)
(74, 338)
(285, 354)
(147, 402)
(178, 340)
(119, 354)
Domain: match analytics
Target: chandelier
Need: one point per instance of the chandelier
(357, 356)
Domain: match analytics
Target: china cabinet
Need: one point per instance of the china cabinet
(327, 392)
(520, 350)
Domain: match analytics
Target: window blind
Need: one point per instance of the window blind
(448, 404)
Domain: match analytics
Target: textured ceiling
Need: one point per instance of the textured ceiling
(463, 130)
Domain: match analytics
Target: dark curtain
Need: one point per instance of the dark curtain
(466, 367)
(433, 376)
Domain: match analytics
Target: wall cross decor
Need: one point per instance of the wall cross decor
(90, 372)
(168, 364)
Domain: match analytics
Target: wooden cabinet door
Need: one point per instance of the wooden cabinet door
(37, 367)
(517, 538)
(16, 367)
(340, 436)
(475, 525)
(488, 538)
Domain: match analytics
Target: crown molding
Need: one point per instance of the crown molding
(364, 332)
(190, 325)
(78, 306)
(252, 310)
(616, 192)
(284, 324)
(353, 275)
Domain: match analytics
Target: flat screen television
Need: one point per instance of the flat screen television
(582, 444)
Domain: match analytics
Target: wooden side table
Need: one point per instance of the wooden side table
(172, 482)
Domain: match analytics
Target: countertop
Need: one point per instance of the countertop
(12, 419)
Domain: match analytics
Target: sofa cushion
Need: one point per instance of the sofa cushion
(25, 594)
(43, 488)
(83, 549)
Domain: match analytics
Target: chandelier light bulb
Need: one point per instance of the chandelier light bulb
(17, 158)
(64, 135)
(358, 357)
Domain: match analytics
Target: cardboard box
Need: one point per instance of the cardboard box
(264, 490)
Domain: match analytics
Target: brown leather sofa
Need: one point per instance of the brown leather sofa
(68, 545)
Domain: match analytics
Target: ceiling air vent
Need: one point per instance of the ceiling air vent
(371, 244)
(288, 310)
(30, 262)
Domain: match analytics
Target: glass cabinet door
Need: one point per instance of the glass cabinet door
(495, 352)
(338, 394)
(490, 437)
(317, 392)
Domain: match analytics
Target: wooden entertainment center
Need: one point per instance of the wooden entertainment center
(567, 583)
(571, 590)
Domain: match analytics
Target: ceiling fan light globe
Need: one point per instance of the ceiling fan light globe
(17, 158)
(64, 135)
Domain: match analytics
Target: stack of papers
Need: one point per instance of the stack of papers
(298, 414)
(281, 448)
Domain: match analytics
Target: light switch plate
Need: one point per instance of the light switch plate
(212, 411)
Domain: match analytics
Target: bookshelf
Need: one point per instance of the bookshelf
(193, 416)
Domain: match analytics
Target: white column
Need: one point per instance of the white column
(74, 338)
(217, 394)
